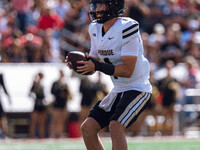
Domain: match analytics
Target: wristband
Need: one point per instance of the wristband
(103, 67)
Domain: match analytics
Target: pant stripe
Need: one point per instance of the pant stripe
(137, 110)
(130, 106)
(134, 108)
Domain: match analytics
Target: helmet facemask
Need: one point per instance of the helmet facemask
(114, 8)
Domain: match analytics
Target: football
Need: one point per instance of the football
(75, 56)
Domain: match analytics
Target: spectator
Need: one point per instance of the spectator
(62, 94)
(49, 19)
(39, 114)
(154, 16)
(16, 52)
(83, 19)
(68, 21)
(169, 90)
(139, 8)
(62, 8)
(195, 52)
(3, 120)
(32, 44)
(153, 109)
(46, 51)
(190, 82)
(188, 36)
(88, 91)
(153, 42)
(73, 125)
(170, 49)
(22, 7)
(101, 87)
(91, 92)
(3, 20)
(192, 70)
(54, 50)
(34, 13)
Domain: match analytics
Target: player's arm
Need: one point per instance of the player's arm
(130, 49)
(123, 70)
(126, 69)
(129, 57)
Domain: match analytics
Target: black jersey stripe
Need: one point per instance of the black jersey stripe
(127, 35)
(129, 28)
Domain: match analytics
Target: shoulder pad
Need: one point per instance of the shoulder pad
(130, 28)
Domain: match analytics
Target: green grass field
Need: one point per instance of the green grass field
(167, 143)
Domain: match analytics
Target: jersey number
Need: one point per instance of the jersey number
(106, 60)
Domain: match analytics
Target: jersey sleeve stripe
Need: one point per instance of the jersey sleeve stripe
(129, 31)
(129, 28)
(127, 35)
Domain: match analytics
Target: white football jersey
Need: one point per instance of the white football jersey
(122, 39)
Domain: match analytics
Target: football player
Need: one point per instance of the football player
(116, 50)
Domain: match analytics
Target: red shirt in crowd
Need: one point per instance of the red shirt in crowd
(50, 21)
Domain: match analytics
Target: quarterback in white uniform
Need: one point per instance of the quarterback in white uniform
(116, 50)
(122, 39)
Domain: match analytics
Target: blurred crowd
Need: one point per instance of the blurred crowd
(31, 30)
(34, 31)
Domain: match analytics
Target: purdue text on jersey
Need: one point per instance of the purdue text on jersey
(106, 52)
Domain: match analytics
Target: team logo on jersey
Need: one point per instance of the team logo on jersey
(110, 38)
(106, 52)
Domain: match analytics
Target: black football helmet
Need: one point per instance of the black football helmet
(114, 8)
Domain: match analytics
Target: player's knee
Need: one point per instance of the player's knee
(89, 127)
(115, 127)
(84, 127)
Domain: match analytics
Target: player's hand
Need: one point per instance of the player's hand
(68, 63)
(88, 66)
